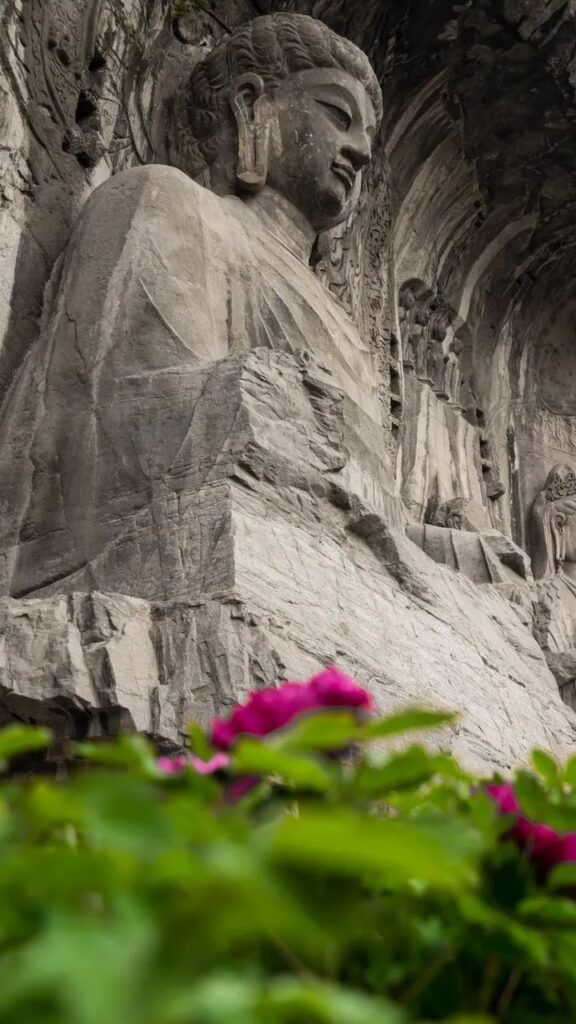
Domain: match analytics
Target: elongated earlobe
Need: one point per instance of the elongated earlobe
(246, 101)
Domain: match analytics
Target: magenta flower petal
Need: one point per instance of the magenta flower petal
(334, 689)
(214, 764)
(503, 794)
(275, 707)
(172, 765)
(175, 765)
(560, 851)
(241, 787)
(223, 734)
(532, 835)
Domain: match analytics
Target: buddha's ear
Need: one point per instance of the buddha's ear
(245, 95)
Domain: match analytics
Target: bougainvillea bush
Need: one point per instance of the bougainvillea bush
(305, 863)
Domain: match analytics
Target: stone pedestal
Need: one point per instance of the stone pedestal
(288, 553)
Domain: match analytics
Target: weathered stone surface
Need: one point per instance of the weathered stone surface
(305, 572)
(94, 663)
(203, 451)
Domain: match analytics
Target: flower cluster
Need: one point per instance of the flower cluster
(265, 711)
(545, 847)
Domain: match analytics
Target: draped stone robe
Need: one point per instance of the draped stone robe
(123, 411)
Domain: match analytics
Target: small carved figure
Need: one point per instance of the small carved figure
(450, 514)
(420, 338)
(553, 541)
(406, 312)
(453, 346)
(554, 529)
(435, 356)
(457, 533)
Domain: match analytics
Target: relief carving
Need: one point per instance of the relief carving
(457, 533)
(433, 339)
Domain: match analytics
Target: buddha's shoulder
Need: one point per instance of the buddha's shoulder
(151, 187)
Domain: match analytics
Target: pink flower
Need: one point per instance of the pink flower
(240, 787)
(175, 765)
(172, 765)
(530, 835)
(273, 708)
(533, 836)
(334, 689)
(503, 794)
(561, 851)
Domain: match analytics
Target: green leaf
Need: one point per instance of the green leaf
(546, 766)
(20, 739)
(220, 997)
(327, 730)
(570, 771)
(546, 911)
(199, 742)
(130, 751)
(469, 1018)
(562, 876)
(254, 758)
(291, 999)
(406, 770)
(406, 721)
(90, 970)
(439, 852)
(333, 730)
(532, 796)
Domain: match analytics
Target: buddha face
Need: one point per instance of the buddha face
(321, 136)
(320, 124)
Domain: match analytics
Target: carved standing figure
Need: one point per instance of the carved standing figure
(435, 356)
(554, 525)
(453, 346)
(421, 337)
(105, 435)
(406, 310)
(553, 537)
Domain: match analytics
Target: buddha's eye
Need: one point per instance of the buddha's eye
(340, 116)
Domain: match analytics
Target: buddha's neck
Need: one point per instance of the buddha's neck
(281, 218)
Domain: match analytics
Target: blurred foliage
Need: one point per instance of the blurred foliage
(373, 887)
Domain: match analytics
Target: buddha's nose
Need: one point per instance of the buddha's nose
(358, 150)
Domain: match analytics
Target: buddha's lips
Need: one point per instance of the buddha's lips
(346, 173)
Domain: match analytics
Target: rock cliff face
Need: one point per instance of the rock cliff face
(457, 271)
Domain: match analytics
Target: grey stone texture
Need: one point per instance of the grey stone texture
(272, 407)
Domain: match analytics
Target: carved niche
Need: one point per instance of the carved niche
(433, 338)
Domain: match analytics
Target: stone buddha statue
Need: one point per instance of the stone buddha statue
(553, 537)
(114, 432)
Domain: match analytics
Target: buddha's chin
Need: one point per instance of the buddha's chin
(333, 207)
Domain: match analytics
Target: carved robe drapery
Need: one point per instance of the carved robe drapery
(161, 280)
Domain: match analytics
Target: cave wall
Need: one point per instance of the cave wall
(471, 193)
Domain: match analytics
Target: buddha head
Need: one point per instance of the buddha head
(283, 104)
(554, 524)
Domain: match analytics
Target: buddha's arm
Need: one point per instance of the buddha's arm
(130, 343)
(137, 280)
(134, 318)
